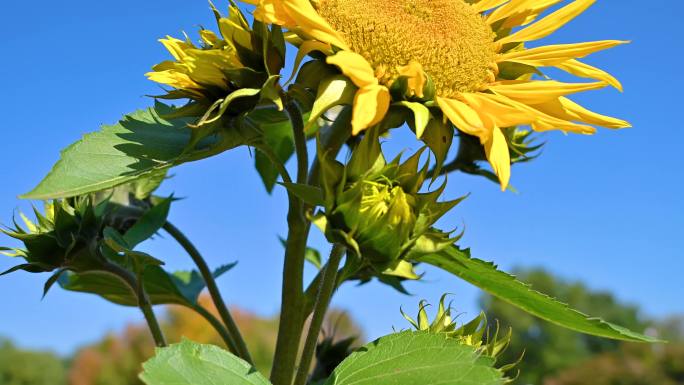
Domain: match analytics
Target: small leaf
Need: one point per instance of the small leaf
(416, 358)
(189, 363)
(51, 281)
(309, 194)
(313, 256)
(438, 137)
(276, 132)
(219, 271)
(149, 223)
(505, 287)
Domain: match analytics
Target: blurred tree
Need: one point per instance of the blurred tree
(630, 365)
(117, 359)
(548, 348)
(20, 367)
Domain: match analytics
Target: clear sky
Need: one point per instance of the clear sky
(606, 209)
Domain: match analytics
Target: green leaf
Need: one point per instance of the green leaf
(416, 358)
(180, 288)
(277, 136)
(159, 285)
(309, 194)
(142, 144)
(149, 223)
(505, 287)
(189, 363)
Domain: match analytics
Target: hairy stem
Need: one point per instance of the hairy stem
(144, 304)
(325, 293)
(292, 301)
(214, 292)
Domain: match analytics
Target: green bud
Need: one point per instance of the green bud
(66, 236)
(376, 209)
(474, 333)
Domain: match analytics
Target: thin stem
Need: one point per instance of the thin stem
(292, 297)
(144, 304)
(325, 292)
(214, 292)
(218, 326)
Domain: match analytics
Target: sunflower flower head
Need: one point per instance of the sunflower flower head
(225, 72)
(463, 63)
(376, 208)
(393, 36)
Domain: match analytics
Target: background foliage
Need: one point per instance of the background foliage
(553, 356)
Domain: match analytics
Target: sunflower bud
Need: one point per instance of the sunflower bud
(65, 237)
(226, 73)
(474, 333)
(376, 209)
(82, 234)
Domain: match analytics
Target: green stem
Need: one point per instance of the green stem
(292, 301)
(144, 304)
(213, 289)
(218, 326)
(325, 293)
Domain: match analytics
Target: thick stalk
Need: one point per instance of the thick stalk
(292, 301)
(325, 292)
(213, 289)
(144, 304)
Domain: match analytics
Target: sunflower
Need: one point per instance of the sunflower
(466, 60)
(236, 63)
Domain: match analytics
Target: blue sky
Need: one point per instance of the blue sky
(605, 209)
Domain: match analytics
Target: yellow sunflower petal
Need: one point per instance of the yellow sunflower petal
(299, 15)
(172, 78)
(566, 109)
(584, 70)
(494, 111)
(176, 47)
(520, 12)
(486, 5)
(355, 67)
(416, 77)
(272, 12)
(370, 107)
(550, 23)
(552, 55)
(498, 156)
(540, 91)
(463, 117)
(548, 123)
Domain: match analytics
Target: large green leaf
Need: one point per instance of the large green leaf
(487, 277)
(142, 144)
(416, 358)
(189, 363)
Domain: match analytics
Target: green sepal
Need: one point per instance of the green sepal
(332, 91)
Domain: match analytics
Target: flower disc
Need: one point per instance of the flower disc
(447, 37)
